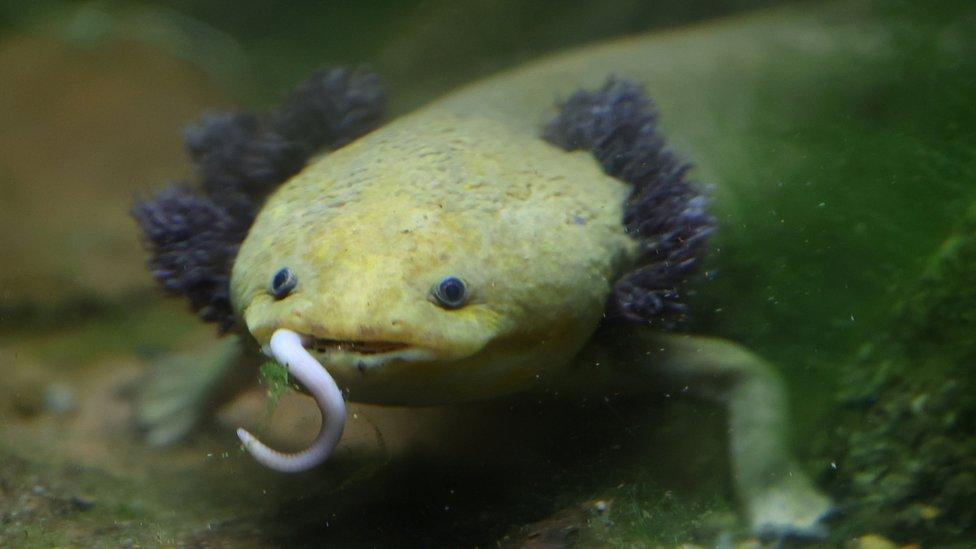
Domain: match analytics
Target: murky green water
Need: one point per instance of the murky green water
(842, 151)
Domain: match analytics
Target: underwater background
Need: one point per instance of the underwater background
(844, 173)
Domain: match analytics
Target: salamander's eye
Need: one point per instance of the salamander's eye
(450, 292)
(282, 283)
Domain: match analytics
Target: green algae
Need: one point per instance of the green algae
(905, 453)
(53, 505)
(275, 377)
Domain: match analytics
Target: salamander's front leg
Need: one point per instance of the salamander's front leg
(183, 389)
(779, 499)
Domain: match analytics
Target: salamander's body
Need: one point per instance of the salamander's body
(343, 267)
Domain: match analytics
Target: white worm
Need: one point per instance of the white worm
(287, 349)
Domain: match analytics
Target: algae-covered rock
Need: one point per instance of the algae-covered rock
(908, 455)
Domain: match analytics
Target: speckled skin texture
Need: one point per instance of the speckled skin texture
(535, 232)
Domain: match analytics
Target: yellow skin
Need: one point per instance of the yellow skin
(533, 231)
(465, 187)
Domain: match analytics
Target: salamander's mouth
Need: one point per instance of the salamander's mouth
(362, 354)
(326, 345)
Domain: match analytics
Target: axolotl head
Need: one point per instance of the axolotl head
(435, 260)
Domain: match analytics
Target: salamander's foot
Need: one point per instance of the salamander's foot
(170, 404)
(181, 390)
(791, 510)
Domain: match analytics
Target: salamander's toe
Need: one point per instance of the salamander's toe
(791, 511)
